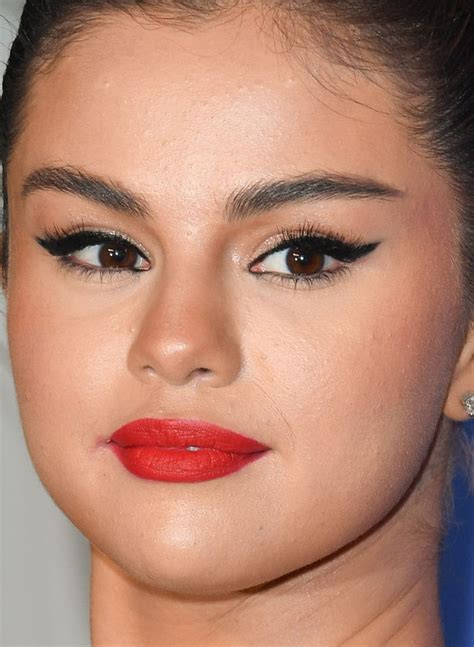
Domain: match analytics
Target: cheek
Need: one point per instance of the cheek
(68, 366)
(359, 382)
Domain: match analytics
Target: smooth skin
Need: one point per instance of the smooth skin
(331, 538)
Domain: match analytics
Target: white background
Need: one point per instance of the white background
(44, 559)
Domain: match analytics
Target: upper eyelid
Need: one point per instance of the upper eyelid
(112, 234)
(287, 241)
(331, 246)
(330, 242)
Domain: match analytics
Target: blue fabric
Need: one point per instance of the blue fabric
(456, 577)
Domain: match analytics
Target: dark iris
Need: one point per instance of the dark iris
(302, 261)
(117, 255)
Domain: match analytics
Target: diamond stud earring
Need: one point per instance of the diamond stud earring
(468, 403)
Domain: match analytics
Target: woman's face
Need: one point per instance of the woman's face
(343, 379)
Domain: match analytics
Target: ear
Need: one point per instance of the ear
(462, 382)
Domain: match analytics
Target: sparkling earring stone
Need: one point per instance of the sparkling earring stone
(468, 403)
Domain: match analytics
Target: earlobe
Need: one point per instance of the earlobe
(468, 403)
(459, 404)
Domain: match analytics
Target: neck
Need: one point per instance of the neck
(358, 613)
(381, 590)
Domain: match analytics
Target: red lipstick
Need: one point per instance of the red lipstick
(184, 451)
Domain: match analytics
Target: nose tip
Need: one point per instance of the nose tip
(186, 346)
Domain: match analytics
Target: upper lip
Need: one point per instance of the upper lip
(180, 433)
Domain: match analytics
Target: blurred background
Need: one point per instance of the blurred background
(45, 560)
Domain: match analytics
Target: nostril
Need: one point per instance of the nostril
(201, 371)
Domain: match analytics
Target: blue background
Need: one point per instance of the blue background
(457, 566)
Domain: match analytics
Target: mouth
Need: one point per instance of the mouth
(193, 435)
(181, 450)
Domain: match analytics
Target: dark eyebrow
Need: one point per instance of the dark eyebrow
(264, 196)
(69, 179)
(244, 202)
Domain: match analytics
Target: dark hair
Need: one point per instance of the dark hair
(425, 45)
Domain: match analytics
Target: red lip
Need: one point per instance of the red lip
(156, 449)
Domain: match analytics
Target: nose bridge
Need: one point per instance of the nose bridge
(187, 305)
(188, 329)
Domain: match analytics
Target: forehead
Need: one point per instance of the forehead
(219, 105)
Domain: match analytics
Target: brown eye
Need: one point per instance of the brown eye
(117, 255)
(304, 261)
(111, 255)
(295, 260)
(305, 257)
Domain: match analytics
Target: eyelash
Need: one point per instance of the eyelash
(317, 240)
(62, 243)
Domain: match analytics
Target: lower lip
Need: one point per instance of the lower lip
(181, 465)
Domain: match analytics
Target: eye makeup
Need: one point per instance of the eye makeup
(304, 243)
(62, 243)
(307, 241)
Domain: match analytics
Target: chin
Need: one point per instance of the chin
(191, 573)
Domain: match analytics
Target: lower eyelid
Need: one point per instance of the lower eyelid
(89, 273)
(301, 282)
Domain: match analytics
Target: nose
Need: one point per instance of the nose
(186, 334)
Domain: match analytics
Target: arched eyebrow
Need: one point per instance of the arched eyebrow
(264, 196)
(245, 202)
(69, 179)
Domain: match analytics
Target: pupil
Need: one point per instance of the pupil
(301, 261)
(112, 255)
